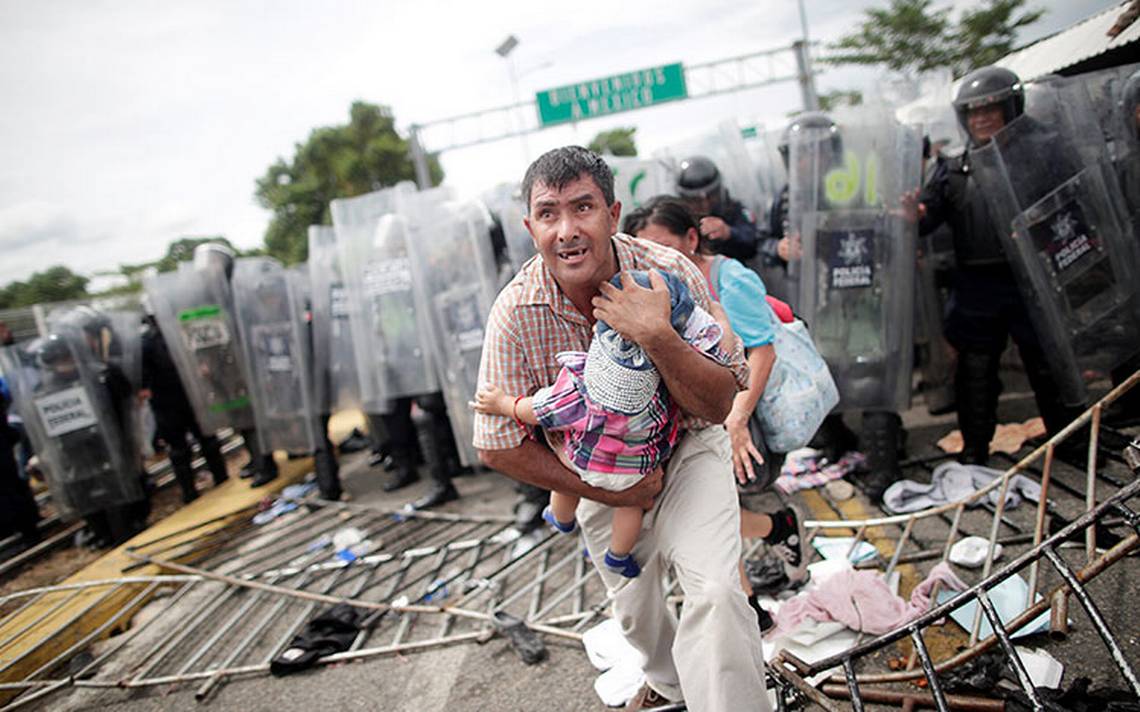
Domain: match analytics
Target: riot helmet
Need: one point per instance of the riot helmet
(988, 86)
(53, 354)
(810, 121)
(699, 181)
(214, 255)
(1129, 103)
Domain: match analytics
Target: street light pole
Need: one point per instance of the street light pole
(803, 65)
(504, 50)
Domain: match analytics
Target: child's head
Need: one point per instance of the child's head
(619, 375)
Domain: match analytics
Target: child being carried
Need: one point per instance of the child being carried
(618, 419)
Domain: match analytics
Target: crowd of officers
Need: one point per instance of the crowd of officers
(249, 345)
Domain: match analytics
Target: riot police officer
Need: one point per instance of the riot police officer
(852, 281)
(729, 227)
(986, 307)
(174, 416)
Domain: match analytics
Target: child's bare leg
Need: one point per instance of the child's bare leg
(563, 507)
(626, 528)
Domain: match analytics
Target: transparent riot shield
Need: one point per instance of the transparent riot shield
(459, 296)
(855, 279)
(355, 221)
(335, 382)
(636, 180)
(506, 203)
(1059, 209)
(192, 309)
(76, 421)
(274, 333)
(936, 355)
(724, 147)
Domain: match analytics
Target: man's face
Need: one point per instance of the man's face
(571, 228)
(6, 338)
(985, 121)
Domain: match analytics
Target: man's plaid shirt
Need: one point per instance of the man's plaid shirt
(532, 321)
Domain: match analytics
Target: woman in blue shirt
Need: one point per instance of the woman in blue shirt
(740, 291)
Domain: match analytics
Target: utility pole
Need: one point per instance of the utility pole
(802, 49)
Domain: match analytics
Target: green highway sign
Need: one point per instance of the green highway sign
(611, 95)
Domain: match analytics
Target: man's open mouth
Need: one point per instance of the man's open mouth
(573, 254)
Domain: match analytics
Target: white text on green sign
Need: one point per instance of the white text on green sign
(610, 95)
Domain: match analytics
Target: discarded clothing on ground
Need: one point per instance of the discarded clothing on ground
(1008, 437)
(330, 632)
(951, 482)
(806, 468)
(619, 662)
(862, 601)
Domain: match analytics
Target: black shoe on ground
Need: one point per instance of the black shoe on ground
(974, 457)
(247, 471)
(439, 494)
(262, 478)
(400, 478)
(525, 641)
(789, 542)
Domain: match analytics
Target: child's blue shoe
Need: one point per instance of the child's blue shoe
(565, 528)
(624, 565)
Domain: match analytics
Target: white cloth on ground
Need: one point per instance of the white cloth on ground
(951, 482)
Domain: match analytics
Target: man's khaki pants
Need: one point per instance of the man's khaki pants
(712, 656)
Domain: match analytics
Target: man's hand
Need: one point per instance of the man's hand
(715, 228)
(636, 313)
(789, 248)
(743, 451)
(911, 210)
(643, 494)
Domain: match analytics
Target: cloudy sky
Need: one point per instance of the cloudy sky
(127, 124)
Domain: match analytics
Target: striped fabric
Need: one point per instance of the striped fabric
(601, 441)
(532, 321)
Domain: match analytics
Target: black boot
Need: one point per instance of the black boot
(183, 472)
(433, 432)
(328, 474)
(215, 460)
(834, 438)
(266, 471)
(977, 389)
(881, 445)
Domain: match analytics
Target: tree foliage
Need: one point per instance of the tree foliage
(55, 284)
(181, 250)
(913, 36)
(351, 159)
(832, 100)
(615, 142)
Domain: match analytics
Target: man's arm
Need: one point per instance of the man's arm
(534, 464)
(699, 386)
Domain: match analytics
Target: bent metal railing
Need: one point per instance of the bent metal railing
(437, 579)
(793, 671)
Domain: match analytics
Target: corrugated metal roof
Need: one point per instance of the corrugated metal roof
(1082, 41)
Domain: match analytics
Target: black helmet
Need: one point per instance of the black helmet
(214, 255)
(986, 86)
(699, 178)
(808, 121)
(51, 350)
(1129, 98)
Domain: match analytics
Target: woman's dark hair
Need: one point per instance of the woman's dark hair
(667, 211)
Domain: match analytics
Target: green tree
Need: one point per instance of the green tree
(180, 250)
(832, 100)
(988, 33)
(55, 284)
(912, 36)
(615, 142)
(364, 155)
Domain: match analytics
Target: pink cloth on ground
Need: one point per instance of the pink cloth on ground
(862, 601)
